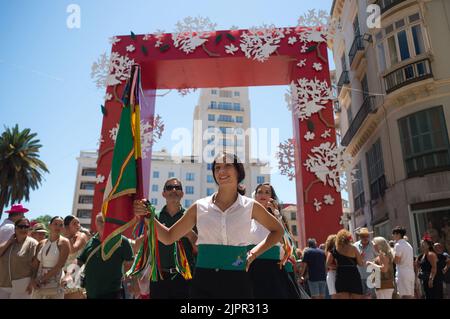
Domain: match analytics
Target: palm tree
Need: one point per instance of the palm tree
(20, 166)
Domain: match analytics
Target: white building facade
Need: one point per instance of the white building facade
(394, 103)
(84, 187)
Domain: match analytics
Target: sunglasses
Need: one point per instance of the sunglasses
(175, 187)
(23, 226)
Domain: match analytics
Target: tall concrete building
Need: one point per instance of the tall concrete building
(222, 122)
(394, 103)
(84, 187)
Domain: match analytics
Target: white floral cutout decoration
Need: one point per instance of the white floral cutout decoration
(130, 48)
(286, 159)
(317, 204)
(329, 162)
(159, 35)
(113, 40)
(301, 63)
(100, 140)
(192, 33)
(150, 133)
(99, 179)
(307, 97)
(230, 49)
(260, 42)
(111, 70)
(292, 40)
(328, 199)
(184, 92)
(309, 136)
(326, 133)
(320, 26)
(317, 66)
(107, 97)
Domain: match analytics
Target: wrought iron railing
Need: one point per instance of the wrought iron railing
(367, 107)
(410, 73)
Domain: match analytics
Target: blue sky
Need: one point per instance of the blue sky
(45, 82)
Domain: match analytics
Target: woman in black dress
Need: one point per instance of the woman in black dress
(431, 283)
(346, 258)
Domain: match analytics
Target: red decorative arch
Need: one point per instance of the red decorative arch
(277, 56)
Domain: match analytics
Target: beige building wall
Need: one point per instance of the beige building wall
(410, 201)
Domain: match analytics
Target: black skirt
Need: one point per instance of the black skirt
(220, 284)
(271, 282)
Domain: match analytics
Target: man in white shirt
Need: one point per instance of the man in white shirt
(7, 227)
(404, 260)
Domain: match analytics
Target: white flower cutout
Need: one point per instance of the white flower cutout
(100, 140)
(287, 31)
(286, 158)
(113, 40)
(108, 97)
(301, 63)
(292, 40)
(146, 37)
(309, 136)
(304, 48)
(111, 70)
(329, 162)
(99, 179)
(307, 97)
(317, 66)
(317, 204)
(192, 33)
(328, 199)
(260, 42)
(130, 48)
(326, 133)
(230, 49)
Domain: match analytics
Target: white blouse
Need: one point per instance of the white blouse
(230, 227)
(258, 233)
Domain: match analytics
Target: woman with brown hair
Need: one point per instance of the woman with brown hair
(50, 260)
(331, 268)
(427, 261)
(347, 258)
(223, 222)
(77, 240)
(269, 276)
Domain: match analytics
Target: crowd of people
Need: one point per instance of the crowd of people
(241, 244)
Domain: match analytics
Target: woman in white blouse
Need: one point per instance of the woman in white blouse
(269, 277)
(223, 222)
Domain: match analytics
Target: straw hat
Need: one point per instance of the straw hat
(38, 228)
(363, 231)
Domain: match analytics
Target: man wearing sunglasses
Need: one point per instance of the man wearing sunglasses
(173, 285)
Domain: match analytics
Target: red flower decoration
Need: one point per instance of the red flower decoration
(427, 237)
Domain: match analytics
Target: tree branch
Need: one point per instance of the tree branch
(309, 187)
(209, 52)
(323, 120)
(319, 54)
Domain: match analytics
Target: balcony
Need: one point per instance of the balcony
(357, 49)
(405, 75)
(385, 5)
(343, 79)
(367, 107)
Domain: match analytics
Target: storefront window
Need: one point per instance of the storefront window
(436, 223)
(383, 229)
